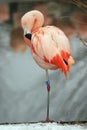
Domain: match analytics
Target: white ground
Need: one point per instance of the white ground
(42, 126)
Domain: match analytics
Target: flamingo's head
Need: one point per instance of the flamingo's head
(30, 22)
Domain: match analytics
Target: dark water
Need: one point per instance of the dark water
(23, 90)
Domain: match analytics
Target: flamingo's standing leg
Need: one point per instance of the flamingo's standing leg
(48, 95)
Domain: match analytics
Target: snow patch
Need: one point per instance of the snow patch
(41, 126)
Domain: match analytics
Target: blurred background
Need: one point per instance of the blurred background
(22, 82)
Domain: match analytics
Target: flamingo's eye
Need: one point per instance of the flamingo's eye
(28, 35)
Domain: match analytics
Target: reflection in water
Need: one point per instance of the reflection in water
(23, 91)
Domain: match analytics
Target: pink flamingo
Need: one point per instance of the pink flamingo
(49, 46)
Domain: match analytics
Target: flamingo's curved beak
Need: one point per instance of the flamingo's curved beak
(28, 35)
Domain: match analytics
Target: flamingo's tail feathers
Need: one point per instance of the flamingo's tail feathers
(58, 61)
(71, 61)
(63, 61)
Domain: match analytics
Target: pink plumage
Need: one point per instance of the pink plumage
(49, 45)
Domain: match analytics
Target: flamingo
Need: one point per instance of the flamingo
(49, 46)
